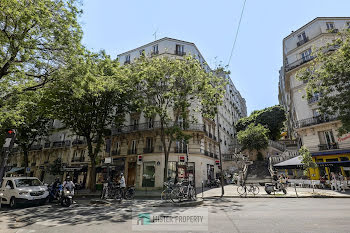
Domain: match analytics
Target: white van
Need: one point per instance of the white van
(17, 190)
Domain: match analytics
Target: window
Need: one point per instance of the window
(348, 25)
(142, 52)
(330, 25)
(306, 55)
(180, 146)
(155, 49)
(150, 123)
(9, 183)
(180, 122)
(127, 58)
(180, 50)
(133, 147)
(148, 176)
(302, 36)
(135, 124)
(27, 182)
(149, 143)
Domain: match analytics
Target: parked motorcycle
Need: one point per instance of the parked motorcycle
(54, 193)
(214, 183)
(269, 188)
(130, 193)
(66, 197)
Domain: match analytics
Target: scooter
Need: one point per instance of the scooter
(54, 193)
(270, 188)
(214, 183)
(66, 197)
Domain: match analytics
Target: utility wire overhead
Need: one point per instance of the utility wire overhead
(239, 25)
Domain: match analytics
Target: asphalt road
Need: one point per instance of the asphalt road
(224, 215)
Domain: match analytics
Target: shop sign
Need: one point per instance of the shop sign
(108, 160)
(182, 159)
(28, 170)
(346, 137)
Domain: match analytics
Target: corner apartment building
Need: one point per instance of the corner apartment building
(305, 123)
(140, 135)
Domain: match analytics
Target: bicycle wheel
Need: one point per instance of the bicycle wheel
(193, 194)
(255, 189)
(241, 190)
(103, 194)
(176, 195)
(165, 195)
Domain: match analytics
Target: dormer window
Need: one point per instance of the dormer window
(302, 39)
(180, 50)
(127, 59)
(330, 25)
(155, 49)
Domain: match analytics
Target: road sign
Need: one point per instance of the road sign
(217, 162)
(182, 158)
(28, 170)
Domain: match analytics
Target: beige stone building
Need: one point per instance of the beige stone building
(305, 123)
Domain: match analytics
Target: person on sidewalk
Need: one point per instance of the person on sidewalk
(342, 183)
(122, 184)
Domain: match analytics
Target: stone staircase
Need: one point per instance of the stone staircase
(258, 172)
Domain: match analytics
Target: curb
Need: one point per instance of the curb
(198, 202)
(272, 196)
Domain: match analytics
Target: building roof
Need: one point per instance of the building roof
(314, 20)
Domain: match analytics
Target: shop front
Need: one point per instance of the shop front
(179, 171)
(333, 161)
(78, 173)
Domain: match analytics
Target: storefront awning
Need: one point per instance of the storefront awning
(334, 152)
(334, 164)
(290, 163)
(15, 169)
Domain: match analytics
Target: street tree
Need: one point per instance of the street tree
(254, 137)
(306, 160)
(170, 89)
(92, 95)
(272, 118)
(328, 77)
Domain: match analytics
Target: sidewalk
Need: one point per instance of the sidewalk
(231, 191)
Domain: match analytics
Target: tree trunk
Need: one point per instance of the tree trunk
(166, 151)
(26, 159)
(92, 182)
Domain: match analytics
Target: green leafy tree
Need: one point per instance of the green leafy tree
(254, 137)
(329, 76)
(306, 160)
(272, 118)
(93, 94)
(169, 87)
(56, 167)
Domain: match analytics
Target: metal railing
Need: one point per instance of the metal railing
(148, 150)
(298, 62)
(78, 142)
(78, 159)
(36, 147)
(132, 151)
(277, 145)
(58, 144)
(115, 152)
(314, 121)
(301, 42)
(180, 53)
(47, 145)
(179, 150)
(332, 146)
(156, 125)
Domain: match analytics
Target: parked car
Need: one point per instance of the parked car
(20, 190)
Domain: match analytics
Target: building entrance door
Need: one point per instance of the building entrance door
(131, 174)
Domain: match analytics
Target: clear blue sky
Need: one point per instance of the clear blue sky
(117, 26)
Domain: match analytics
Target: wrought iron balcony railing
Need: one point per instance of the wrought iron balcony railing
(330, 146)
(132, 151)
(77, 142)
(180, 150)
(314, 121)
(155, 125)
(36, 147)
(148, 150)
(115, 152)
(301, 42)
(180, 53)
(299, 62)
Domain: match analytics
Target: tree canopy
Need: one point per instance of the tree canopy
(92, 95)
(272, 118)
(171, 88)
(254, 137)
(328, 76)
(306, 160)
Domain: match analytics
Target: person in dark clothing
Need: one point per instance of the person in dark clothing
(275, 179)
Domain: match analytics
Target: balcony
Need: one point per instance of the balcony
(156, 125)
(331, 146)
(180, 150)
(78, 142)
(154, 53)
(334, 30)
(36, 147)
(78, 159)
(179, 53)
(60, 144)
(314, 121)
(148, 150)
(115, 152)
(132, 151)
(297, 63)
(301, 42)
(127, 62)
(47, 145)
(211, 154)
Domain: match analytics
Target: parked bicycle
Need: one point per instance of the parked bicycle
(183, 190)
(111, 191)
(244, 189)
(166, 194)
